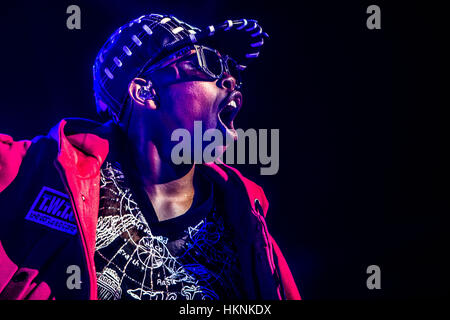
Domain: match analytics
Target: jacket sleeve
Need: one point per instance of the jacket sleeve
(11, 156)
(18, 283)
(286, 278)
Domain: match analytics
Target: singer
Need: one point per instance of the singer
(100, 210)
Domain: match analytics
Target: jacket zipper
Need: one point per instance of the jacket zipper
(269, 255)
(83, 238)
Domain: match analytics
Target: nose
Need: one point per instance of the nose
(227, 82)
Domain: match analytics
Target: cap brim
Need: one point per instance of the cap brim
(241, 39)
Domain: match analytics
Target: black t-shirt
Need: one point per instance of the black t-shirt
(189, 257)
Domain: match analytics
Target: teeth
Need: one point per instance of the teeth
(233, 104)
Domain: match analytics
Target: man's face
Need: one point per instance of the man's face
(192, 96)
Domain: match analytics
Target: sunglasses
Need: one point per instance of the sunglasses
(208, 60)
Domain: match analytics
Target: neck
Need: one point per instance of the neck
(169, 187)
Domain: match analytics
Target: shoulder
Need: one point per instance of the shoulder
(11, 155)
(12, 152)
(226, 174)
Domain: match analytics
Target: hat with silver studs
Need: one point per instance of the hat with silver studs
(142, 42)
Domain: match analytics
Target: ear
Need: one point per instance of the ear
(134, 90)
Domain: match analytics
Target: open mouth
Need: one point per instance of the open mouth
(228, 112)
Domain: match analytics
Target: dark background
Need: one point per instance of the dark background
(360, 114)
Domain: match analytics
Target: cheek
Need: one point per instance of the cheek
(195, 101)
(206, 104)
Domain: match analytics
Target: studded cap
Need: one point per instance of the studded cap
(142, 42)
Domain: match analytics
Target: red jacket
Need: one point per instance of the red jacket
(79, 159)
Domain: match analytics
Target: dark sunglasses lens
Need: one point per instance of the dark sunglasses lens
(213, 62)
(234, 69)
